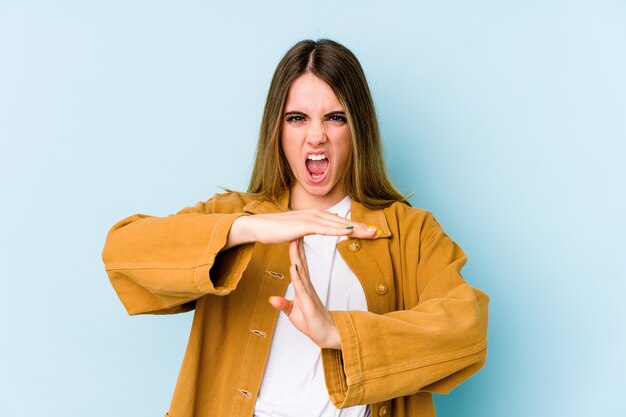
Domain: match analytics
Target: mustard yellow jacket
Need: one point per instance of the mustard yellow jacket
(425, 331)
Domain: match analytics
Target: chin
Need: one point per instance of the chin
(318, 192)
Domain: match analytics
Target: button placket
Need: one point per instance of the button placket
(266, 276)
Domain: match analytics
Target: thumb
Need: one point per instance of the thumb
(281, 304)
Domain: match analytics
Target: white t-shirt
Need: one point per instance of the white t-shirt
(293, 384)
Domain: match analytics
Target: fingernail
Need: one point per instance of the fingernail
(371, 228)
(349, 227)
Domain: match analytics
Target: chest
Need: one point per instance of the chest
(238, 329)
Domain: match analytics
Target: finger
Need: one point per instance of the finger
(305, 265)
(330, 227)
(345, 221)
(330, 230)
(348, 222)
(323, 214)
(357, 225)
(302, 285)
(358, 229)
(296, 267)
(370, 232)
(294, 253)
(314, 226)
(333, 220)
(281, 304)
(305, 277)
(364, 232)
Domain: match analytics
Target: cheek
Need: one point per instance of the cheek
(284, 140)
(288, 148)
(288, 137)
(344, 145)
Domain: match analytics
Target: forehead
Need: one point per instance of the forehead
(311, 95)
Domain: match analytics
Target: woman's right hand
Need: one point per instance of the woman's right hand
(292, 225)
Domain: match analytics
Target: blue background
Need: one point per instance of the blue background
(506, 119)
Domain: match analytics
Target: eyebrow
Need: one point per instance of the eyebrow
(332, 113)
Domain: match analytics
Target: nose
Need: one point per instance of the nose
(315, 134)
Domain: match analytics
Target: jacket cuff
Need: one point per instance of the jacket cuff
(221, 277)
(342, 368)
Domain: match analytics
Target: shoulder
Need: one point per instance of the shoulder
(411, 223)
(231, 200)
(228, 202)
(406, 216)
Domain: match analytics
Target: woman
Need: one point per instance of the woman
(375, 320)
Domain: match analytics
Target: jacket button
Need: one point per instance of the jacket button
(354, 245)
(381, 289)
(383, 411)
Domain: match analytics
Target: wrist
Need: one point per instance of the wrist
(333, 340)
(240, 233)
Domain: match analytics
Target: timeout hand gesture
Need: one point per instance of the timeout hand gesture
(306, 311)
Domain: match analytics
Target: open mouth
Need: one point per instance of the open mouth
(317, 166)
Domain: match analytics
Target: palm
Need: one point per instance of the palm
(306, 311)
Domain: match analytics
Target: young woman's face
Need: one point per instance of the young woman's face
(315, 138)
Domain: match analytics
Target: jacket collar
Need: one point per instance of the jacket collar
(371, 217)
(359, 213)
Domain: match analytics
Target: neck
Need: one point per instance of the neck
(301, 200)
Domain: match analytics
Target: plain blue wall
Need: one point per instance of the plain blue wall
(506, 119)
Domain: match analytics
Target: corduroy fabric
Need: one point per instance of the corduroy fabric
(425, 331)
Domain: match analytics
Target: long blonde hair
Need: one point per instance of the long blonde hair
(366, 179)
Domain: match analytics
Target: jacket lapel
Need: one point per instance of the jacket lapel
(267, 206)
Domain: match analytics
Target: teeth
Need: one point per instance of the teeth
(317, 157)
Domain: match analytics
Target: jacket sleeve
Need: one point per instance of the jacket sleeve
(433, 346)
(161, 265)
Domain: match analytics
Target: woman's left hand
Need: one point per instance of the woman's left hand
(306, 311)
